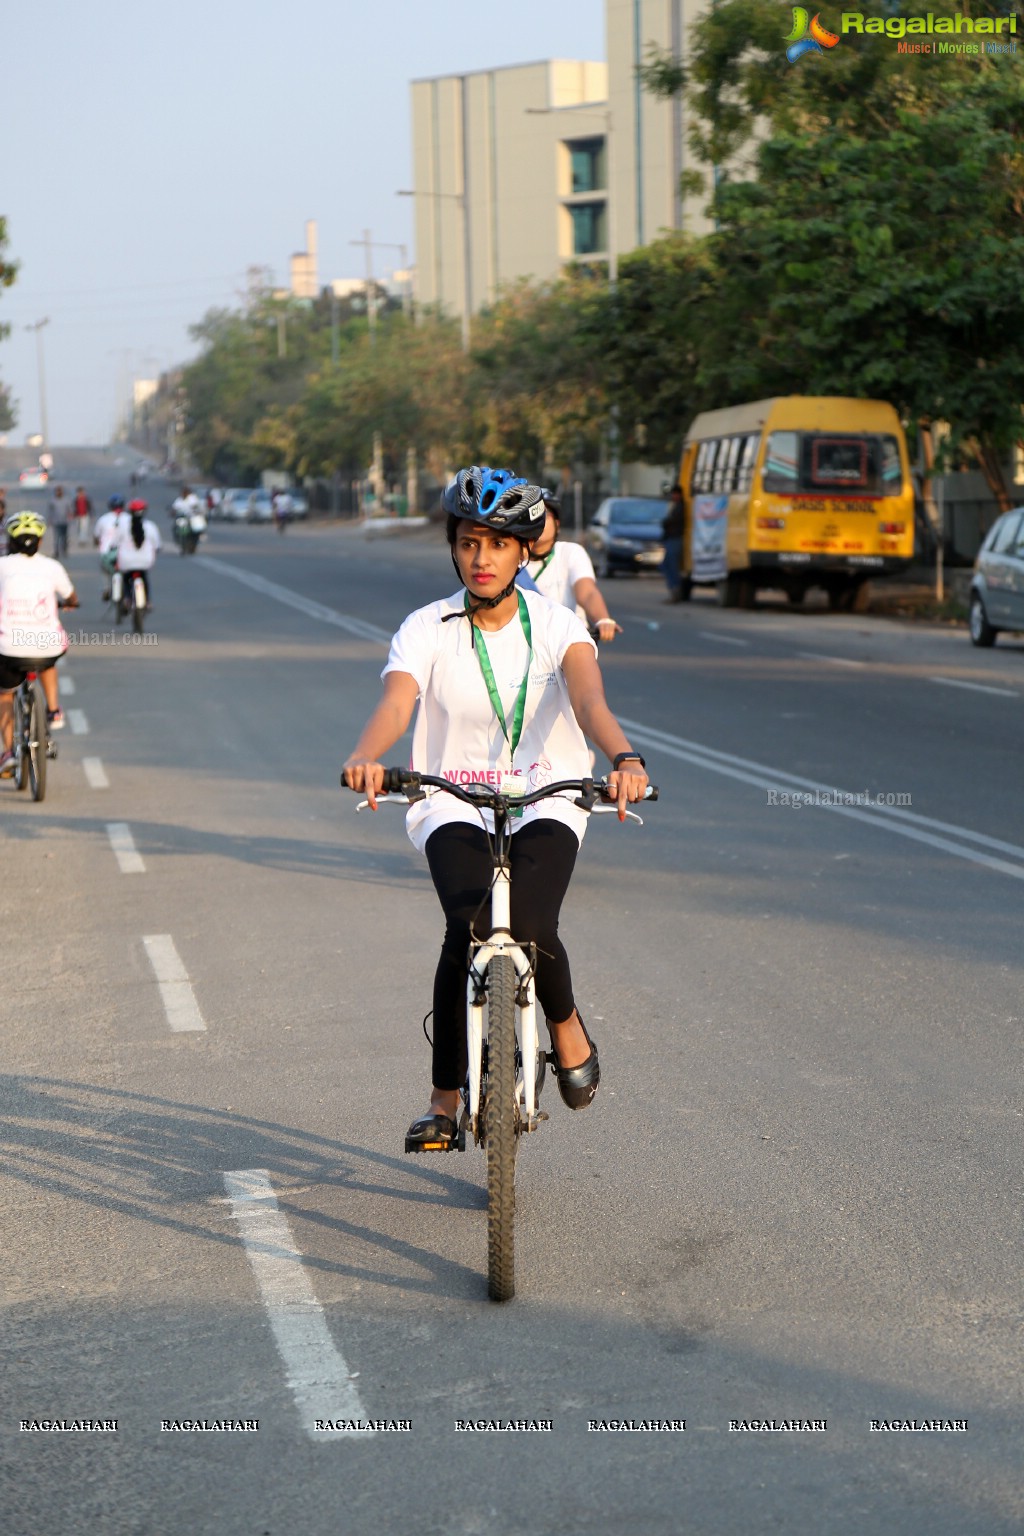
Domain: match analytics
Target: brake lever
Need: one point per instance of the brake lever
(364, 805)
(613, 810)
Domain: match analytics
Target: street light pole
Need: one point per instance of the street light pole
(38, 328)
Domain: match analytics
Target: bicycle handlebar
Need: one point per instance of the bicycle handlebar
(483, 796)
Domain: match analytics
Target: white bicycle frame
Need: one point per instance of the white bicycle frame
(501, 942)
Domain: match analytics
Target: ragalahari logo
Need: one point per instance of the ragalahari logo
(800, 42)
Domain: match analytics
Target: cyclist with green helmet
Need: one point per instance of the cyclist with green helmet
(32, 638)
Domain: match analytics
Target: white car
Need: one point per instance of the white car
(234, 506)
(33, 479)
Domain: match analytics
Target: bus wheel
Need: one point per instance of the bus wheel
(736, 592)
(796, 595)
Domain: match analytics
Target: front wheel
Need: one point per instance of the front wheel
(20, 742)
(501, 1128)
(981, 630)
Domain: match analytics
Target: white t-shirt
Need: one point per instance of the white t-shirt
(105, 529)
(569, 564)
(29, 622)
(130, 558)
(457, 734)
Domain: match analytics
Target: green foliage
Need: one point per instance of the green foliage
(8, 273)
(868, 233)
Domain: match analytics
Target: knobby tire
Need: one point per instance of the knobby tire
(37, 750)
(501, 1116)
(20, 734)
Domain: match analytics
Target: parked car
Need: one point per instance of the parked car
(259, 509)
(234, 505)
(33, 479)
(625, 535)
(997, 587)
(300, 506)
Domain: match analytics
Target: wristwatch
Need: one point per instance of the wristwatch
(624, 757)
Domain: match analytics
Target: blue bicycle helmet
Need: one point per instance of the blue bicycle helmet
(510, 504)
(116, 503)
(461, 495)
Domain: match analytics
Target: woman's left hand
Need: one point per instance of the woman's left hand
(629, 783)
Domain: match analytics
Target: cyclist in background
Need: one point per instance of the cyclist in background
(507, 684)
(106, 533)
(564, 572)
(138, 543)
(32, 637)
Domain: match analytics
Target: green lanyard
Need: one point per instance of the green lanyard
(547, 561)
(492, 687)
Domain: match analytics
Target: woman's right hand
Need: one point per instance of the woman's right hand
(365, 777)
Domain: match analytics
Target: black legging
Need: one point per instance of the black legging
(543, 857)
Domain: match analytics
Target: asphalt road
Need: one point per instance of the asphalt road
(796, 1198)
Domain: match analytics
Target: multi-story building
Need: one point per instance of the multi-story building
(520, 169)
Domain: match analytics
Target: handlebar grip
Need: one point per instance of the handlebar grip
(397, 779)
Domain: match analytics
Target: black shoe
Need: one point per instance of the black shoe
(434, 1133)
(578, 1085)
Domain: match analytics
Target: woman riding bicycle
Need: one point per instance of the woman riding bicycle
(507, 683)
(138, 543)
(32, 637)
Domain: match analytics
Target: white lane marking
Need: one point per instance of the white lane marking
(320, 1380)
(887, 816)
(78, 723)
(954, 682)
(95, 773)
(67, 685)
(837, 661)
(305, 605)
(127, 855)
(179, 1001)
(709, 634)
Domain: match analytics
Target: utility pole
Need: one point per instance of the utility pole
(371, 307)
(38, 328)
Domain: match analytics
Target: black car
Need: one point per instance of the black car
(997, 586)
(625, 535)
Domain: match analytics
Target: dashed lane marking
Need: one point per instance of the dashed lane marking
(836, 661)
(67, 685)
(127, 855)
(954, 682)
(95, 773)
(709, 634)
(320, 1380)
(175, 988)
(78, 723)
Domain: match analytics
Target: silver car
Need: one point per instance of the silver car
(997, 586)
(234, 505)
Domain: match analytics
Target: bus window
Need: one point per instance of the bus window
(708, 482)
(719, 480)
(836, 464)
(746, 470)
(729, 474)
(780, 464)
(700, 469)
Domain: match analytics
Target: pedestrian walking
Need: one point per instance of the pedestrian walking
(672, 535)
(57, 515)
(83, 514)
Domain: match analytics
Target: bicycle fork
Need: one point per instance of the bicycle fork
(501, 943)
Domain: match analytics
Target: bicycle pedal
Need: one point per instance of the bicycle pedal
(457, 1144)
(51, 749)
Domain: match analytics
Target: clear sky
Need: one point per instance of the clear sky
(153, 152)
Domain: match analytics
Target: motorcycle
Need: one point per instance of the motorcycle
(189, 528)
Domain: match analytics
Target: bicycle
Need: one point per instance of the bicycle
(500, 1099)
(32, 744)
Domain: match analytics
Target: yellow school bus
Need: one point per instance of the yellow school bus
(793, 493)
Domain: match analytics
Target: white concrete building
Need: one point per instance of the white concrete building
(521, 169)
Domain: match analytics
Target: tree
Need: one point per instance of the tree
(871, 242)
(8, 272)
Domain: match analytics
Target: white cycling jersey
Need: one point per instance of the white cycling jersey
(557, 577)
(457, 734)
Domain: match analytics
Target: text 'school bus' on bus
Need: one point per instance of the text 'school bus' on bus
(795, 493)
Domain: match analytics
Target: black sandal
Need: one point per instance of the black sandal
(578, 1085)
(434, 1133)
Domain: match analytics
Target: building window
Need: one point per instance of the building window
(588, 228)
(587, 165)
